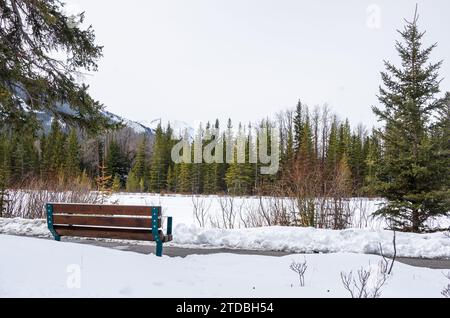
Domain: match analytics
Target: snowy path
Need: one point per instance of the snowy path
(174, 251)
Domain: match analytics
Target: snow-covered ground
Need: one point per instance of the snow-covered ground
(45, 268)
(33, 267)
(364, 237)
(277, 238)
(181, 207)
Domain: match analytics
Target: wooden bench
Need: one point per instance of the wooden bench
(142, 223)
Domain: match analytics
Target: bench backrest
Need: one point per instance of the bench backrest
(105, 221)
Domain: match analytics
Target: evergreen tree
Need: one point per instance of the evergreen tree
(239, 174)
(298, 125)
(72, 160)
(139, 171)
(197, 168)
(344, 139)
(41, 57)
(4, 175)
(54, 151)
(132, 182)
(171, 180)
(24, 157)
(116, 162)
(332, 154)
(159, 162)
(289, 153)
(184, 184)
(356, 159)
(412, 177)
(372, 164)
(209, 176)
(116, 184)
(212, 170)
(306, 151)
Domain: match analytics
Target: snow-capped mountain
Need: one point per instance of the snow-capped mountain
(179, 127)
(137, 127)
(46, 120)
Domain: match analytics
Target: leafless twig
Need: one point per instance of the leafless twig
(390, 265)
(365, 285)
(201, 209)
(446, 291)
(300, 269)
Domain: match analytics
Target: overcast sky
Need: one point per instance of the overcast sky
(198, 60)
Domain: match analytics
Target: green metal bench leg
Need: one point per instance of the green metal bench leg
(159, 248)
(169, 225)
(155, 230)
(50, 222)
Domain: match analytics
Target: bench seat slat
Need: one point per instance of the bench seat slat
(102, 209)
(106, 221)
(93, 232)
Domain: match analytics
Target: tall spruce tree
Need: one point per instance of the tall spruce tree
(139, 172)
(209, 175)
(116, 162)
(357, 158)
(132, 184)
(159, 163)
(298, 125)
(72, 160)
(42, 52)
(239, 175)
(198, 167)
(53, 151)
(412, 177)
(332, 153)
(4, 174)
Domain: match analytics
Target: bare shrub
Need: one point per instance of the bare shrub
(251, 216)
(300, 269)
(390, 265)
(367, 284)
(229, 210)
(446, 291)
(28, 200)
(201, 206)
(4, 201)
(268, 211)
(333, 212)
(360, 213)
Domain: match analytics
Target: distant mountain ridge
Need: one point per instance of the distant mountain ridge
(46, 119)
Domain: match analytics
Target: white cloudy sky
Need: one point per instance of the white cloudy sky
(198, 60)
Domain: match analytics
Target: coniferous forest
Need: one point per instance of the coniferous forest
(406, 160)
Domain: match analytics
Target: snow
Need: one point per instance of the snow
(277, 238)
(179, 127)
(364, 237)
(311, 240)
(41, 267)
(181, 207)
(137, 127)
(44, 268)
(24, 227)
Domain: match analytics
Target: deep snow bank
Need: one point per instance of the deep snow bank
(310, 240)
